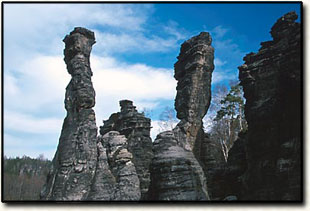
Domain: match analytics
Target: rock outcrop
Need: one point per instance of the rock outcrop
(116, 178)
(74, 164)
(233, 184)
(136, 127)
(193, 71)
(176, 174)
(272, 88)
(213, 162)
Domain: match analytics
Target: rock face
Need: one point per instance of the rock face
(176, 174)
(74, 163)
(175, 171)
(116, 177)
(193, 71)
(235, 168)
(272, 88)
(136, 127)
(213, 163)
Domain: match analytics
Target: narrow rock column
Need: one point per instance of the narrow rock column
(176, 173)
(193, 70)
(75, 160)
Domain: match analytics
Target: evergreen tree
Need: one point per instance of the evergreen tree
(229, 120)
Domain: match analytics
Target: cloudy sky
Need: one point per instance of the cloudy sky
(137, 45)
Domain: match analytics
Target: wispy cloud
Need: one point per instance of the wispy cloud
(218, 62)
(219, 31)
(114, 80)
(30, 146)
(34, 93)
(20, 122)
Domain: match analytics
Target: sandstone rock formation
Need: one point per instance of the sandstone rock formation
(233, 184)
(176, 174)
(272, 88)
(74, 163)
(212, 160)
(136, 127)
(175, 171)
(193, 71)
(116, 177)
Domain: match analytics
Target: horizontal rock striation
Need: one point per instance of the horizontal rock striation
(213, 162)
(136, 127)
(193, 71)
(74, 164)
(272, 88)
(176, 174)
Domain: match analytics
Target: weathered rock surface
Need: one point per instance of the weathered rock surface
(272, 88)
(74, 164)
(193, 71)
(213, 162)
(176, 174)
(235, 168)
(116, 177)
(136, 127)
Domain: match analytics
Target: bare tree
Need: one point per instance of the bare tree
(167, 119)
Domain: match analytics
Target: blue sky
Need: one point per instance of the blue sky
(137, 46)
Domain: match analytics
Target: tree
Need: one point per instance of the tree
(229, 119)
(167, 119)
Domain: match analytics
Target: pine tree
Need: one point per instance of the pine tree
(229, 120)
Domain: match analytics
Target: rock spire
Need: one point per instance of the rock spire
(74, 163)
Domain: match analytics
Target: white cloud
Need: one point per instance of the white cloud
(136, 42)
(136, 81)
(219, 31)
(157, 127)
(31, 124)
(220, 75)
(33, 147)
(218, 62)
(36, 84)
(115, 81)
(34, 93)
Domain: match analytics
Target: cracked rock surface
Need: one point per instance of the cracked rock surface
(272, 87)
(74, 164)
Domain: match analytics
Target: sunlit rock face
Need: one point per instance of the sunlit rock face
(136, 128)
(74, 163)
(116, 178)
(272, 88)
(176, 173)
(193, 71)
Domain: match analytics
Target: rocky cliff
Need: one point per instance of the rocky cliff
(74, 164)
(272, 88)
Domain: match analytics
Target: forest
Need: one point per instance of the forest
(24, 177)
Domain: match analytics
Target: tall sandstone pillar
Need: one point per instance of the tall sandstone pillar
(193, 71)
(176, 173)
(272, 87)
(75, 160)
